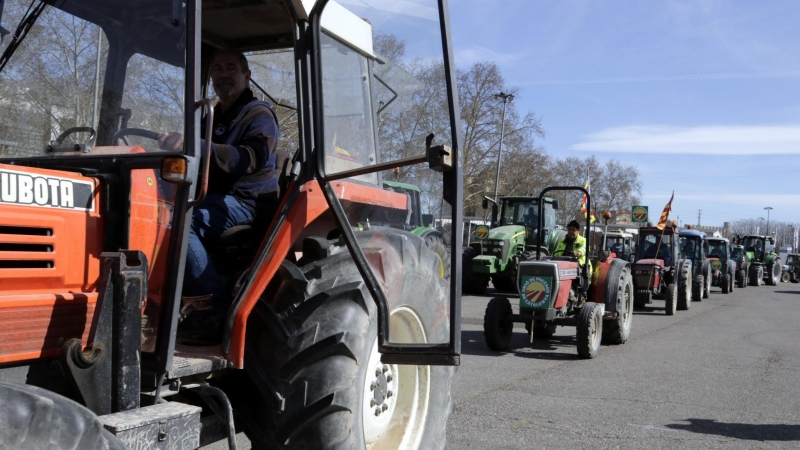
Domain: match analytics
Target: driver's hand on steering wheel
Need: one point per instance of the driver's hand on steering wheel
(171, 141)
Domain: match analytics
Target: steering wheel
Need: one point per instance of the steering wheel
(134, 132)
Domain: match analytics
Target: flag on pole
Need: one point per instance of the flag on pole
(665, 214)
(585, 199)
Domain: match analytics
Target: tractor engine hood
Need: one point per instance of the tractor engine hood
(650, 262)
(507, 233)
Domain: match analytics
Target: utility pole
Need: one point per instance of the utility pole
(506, 99)
(768, 208)
(699, 212)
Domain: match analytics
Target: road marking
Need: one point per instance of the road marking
(651, 427)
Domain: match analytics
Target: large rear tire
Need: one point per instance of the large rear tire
(619, 293)
(724, 283)
(773, 274)
(436, 245)
(589, 330)
(698, 282)
(34, 418)
(756, 275)
(707, 286)
(671, 302)
(311, 354)
(741, 279)
(684, 289)
(496, 331)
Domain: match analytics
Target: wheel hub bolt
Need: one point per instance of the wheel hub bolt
(389, 394)
(372, 403)
(372, 386)
(389, 377)
(377, 411)
(384, 408)
(385, 369)
(378, 372)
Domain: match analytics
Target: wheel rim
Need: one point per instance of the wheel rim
(595, 338)
(400, 425)
(627, 297)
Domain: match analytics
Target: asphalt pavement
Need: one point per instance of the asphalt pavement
(722, 375)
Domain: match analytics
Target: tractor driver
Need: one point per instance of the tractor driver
(242, 185)
(573, 244)
(531, 219)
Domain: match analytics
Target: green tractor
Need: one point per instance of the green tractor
(765, 264)
(739, 255)
(414, 222)
(496, 253)
(723, 267)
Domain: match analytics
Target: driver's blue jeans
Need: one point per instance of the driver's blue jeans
(216, 214)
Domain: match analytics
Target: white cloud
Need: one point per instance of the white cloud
(702, 140)
(475, 54)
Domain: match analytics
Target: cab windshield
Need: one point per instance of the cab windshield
(655, 246)
(791, 260)
(737, 253)
(691, 248)
(716, 249)
(754, 244)
(618, 244)
(88, 69)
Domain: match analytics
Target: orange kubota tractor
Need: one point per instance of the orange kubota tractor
(341, 334)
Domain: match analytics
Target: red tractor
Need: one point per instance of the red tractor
(341, 335)
(659, 272)
(596, 298)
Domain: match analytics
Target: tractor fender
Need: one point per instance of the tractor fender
(424, 232)
(608, 281)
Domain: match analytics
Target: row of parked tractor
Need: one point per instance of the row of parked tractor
(515, 251)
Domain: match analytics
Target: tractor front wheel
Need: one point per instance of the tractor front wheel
(590, 330)
(496, 330)
(641, 298)
(741, 280)
(313, 375)
(756, 275)
(785, 277)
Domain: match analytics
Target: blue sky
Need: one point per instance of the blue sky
(703, 96)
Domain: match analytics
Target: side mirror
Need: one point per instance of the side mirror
(485, 203)
(555, 204)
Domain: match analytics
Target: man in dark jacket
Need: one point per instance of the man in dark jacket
(242, 184)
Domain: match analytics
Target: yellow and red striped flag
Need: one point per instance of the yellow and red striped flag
(665, 214)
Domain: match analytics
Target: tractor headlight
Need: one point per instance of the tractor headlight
(501, 243)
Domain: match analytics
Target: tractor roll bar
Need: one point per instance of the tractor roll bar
(585, 268)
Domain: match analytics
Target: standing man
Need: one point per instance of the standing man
(242, 185)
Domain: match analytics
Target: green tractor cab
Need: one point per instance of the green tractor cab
(513, 238)
(620, 243)
(694, 246)
(765, 264)
(660, 272)
(723, 267)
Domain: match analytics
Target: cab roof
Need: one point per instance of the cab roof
(693, 234)
(712, 238)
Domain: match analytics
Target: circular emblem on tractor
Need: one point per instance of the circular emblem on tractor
(716, 264)
(482, 232)
(640, 213)
(536, 292)
(149, 181)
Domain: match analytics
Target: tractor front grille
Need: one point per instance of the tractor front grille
(26, 247)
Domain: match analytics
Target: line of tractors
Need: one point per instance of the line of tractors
(515, 251)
